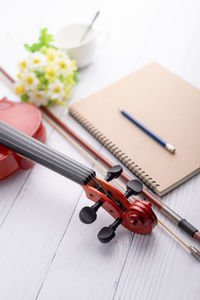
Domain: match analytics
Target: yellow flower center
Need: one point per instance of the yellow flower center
(29, 80)
(19, 89)
(23, 64)
(39, 96)
(51, 73)
(57, 89)
(36, 61)
(62, 64)
(51, 57)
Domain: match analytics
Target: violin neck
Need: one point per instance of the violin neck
(36, 151)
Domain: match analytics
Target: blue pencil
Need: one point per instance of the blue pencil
(158, 139)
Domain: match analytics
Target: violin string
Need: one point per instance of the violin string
(51, 122)
(83, 171)
(30, 143)
(45, 117)
(57, 155)
(77, 146)
(51, 151)
(46, 159)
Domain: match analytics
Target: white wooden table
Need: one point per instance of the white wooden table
(45, 251)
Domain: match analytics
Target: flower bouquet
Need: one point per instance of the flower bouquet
(47, 75)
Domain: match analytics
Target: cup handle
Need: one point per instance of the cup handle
(102, 38)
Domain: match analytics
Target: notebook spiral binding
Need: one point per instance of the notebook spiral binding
(131, 165)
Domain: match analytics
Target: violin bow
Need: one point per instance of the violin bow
(167, 211)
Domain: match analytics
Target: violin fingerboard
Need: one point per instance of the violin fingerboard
(38, 152)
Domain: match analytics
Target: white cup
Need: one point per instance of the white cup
(69, 38)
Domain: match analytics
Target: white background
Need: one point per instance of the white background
(45, 251)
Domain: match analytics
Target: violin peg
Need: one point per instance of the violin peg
(113, 173)
(106, 234)
(134, 187)
(88, 214)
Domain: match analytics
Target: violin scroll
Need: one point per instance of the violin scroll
(140, 217)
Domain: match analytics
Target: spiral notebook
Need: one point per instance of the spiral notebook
(167, 105)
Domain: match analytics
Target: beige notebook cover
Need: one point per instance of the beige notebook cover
(167, 105)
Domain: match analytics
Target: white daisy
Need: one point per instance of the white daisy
(56, 90)
(63, 66)
(30, 80)
(62, 54)
(38, 98)
(51, 72)
(20, 88)
(51, 54)
(36, 61)
(22, 64)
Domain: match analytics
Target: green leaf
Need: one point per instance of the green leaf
(27, 47)
(33, 48)
(45, 82)
(50, 102)
(45, 39)
(39, 75)
(62, 78)
(40, 89)
(24, 98)
(75, 77)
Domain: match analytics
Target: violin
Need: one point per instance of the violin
(29, 122)
(137, 217)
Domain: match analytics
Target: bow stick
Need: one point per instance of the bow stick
(179, 221)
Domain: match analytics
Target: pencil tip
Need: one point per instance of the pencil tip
(170, 148)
